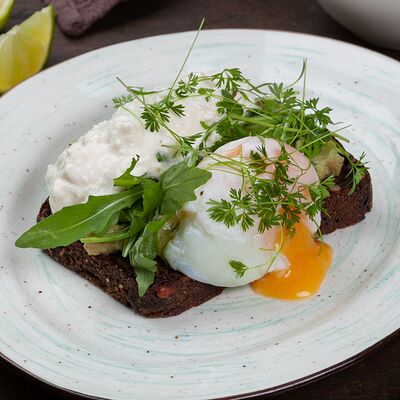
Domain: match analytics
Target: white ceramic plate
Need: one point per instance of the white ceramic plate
(65, 331)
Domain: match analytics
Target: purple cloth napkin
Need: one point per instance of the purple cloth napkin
(75, 16)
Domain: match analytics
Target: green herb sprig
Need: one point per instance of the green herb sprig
(239, 267)
(269, 110)
(275, 200)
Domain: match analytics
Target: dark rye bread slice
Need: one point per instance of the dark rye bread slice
(172, 292)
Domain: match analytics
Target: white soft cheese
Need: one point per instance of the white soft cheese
(89, 165)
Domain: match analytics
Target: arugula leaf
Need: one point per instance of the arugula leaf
(130, 240)
(137, 224)
(108, 236)
(143, 253)
(144, 279)
(151, 202)
(75, 222)
(152, 196)
(178, 184)
(112, 221)
(146, 245)
(126, 179)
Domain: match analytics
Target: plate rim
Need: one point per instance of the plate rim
(270, 391)
(215, 30)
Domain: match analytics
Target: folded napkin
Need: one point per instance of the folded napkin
(75, 16)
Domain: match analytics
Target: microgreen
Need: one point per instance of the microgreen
(239, 267)
(357, 171)
(122, 100)
(272, 199)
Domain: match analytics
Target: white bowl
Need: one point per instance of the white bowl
(376, 21)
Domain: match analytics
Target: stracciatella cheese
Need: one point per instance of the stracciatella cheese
(89, 165)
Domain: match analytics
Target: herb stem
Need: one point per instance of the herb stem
(260, 122)
(186, 59)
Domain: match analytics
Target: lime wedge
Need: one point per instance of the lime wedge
(24, 49)
(5, 11)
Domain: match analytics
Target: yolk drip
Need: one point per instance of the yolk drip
(308, 259)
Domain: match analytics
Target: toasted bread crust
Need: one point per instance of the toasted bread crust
(343, 209)
(172, 292)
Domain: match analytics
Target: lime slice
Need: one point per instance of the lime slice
(5, 11)
(24, 49)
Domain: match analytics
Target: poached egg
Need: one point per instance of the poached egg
(203, 248)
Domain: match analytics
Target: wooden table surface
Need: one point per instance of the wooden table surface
(376, 377)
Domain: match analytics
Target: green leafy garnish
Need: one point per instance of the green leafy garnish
(143, 254)
(357, 171)
(122, 100)
(75, 222)
(178, 184)
(126, 179)
(239, 267)
(186, 88)
(271, 199)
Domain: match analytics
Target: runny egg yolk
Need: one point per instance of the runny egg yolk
(308, 260)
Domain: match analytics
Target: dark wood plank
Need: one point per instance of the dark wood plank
(378, 376)
(142, 18)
